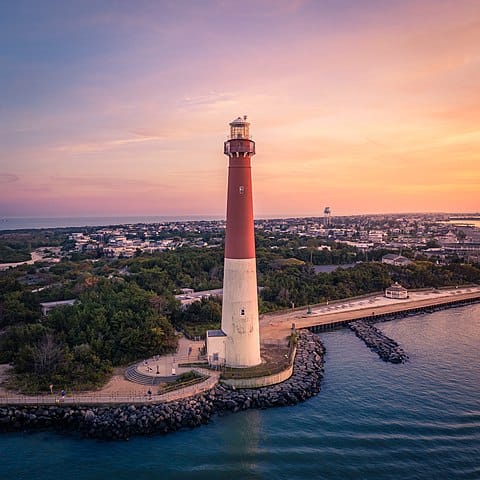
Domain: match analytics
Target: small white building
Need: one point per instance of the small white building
(396, 291)
(216, 347)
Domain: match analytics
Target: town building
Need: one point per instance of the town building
(397, 260)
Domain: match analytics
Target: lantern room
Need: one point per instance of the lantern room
(239, 143)
(239, 128)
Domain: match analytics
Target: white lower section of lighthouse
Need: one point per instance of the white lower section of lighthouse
(240, 313)
(239, 346)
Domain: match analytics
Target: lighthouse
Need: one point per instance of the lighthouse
(237, 344)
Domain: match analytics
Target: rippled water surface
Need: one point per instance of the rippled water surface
(372, 420)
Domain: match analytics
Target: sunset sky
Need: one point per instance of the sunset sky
(122, 107)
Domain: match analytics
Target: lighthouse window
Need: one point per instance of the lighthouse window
(241, 189)
(242, 311)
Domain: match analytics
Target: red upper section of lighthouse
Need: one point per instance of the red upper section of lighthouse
(240, 239)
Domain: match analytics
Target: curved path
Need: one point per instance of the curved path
(89, 398)
(120, 390)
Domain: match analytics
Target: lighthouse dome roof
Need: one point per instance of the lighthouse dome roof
(240, 121)
(396, 287)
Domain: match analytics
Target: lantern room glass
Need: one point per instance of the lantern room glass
(239, 130)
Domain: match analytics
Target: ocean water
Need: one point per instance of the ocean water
(372, 420)
(18, 223)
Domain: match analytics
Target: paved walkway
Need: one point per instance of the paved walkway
(277, 325)
(89, 398)
(167, 365)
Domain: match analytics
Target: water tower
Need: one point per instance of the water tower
(327, 216)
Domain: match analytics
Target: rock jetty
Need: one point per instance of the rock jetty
(125, 421)
(386, 348)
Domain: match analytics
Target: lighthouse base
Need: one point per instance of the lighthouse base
(237, 344)
(239, 315)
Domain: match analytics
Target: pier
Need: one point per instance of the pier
(375, 307)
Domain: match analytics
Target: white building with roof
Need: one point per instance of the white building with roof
(396, 291)
(48, 306)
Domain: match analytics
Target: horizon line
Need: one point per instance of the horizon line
(219, 216)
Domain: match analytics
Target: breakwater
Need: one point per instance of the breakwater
(386, 348)
(124, 421)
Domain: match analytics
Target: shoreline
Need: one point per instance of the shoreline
(120, 422)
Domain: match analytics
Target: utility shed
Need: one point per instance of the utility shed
(216, 347)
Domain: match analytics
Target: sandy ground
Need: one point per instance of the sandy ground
(37, 255)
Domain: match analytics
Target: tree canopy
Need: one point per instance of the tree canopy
(113, 323)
